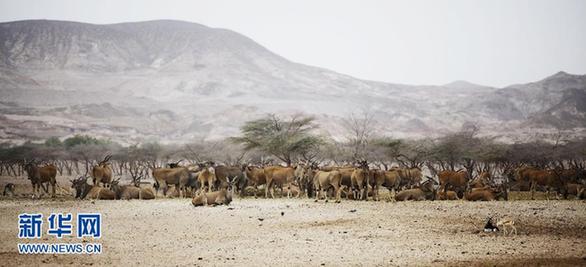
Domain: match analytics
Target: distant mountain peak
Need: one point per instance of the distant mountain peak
(563, 75)
(461, 84)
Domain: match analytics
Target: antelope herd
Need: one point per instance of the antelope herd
(209, 183)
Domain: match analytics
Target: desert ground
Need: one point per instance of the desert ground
(295, 232)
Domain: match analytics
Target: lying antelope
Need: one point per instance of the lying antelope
(506, 222)
(127, 192)
(83, 190)
(447, 195)
(221, 197)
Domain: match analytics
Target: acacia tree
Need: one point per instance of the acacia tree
(408, 153)
(283, 139)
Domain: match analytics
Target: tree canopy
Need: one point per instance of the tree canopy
(284, 139)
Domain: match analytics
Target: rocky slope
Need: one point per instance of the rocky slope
(175, 81)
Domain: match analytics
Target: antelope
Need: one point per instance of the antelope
(127, 192)
(546, 178)
(577, 190)
(232, 174)
(41, 175)
(359, 180)
(174, 164)
(102, 173)
(255, 176)
(410, 177)
(375, 180)
(8, 189)
(482, 194)
(302, 173)
(207, 176)
(83, 190)
(178, 177)
(323, 180)
(506, 222)
(425, 191)
(277, 175)
(192, 183)
(392, 181)
(447, 195)
(457, 179)
(220, 197)
(294, 189)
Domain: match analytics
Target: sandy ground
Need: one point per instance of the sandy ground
(297, 232)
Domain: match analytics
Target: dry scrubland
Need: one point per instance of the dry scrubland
(301, 232)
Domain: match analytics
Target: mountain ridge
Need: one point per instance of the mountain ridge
(176, 81)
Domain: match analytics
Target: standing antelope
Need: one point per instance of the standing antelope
(39, 175)
(207, 177)
(506, 222)
(102, 172)
(324, 180)
(359, 181)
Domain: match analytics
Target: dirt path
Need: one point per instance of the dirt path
(301, 232)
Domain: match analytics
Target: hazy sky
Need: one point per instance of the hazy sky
(416, 42)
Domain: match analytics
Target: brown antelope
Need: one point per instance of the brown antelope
(278, 175)
(346, 173)
(102, 173)
(294, 189)
(346, 192)
(302, 173)
(425, 191)
(457, 180)
(179, 177)
(447, 195)
(359, 180)
(537, 177)
(220, 197)
(482, 194)
(410, 194)
(392, 181)
(376, 180)
(127, 192)
(505, 223)
(40, 175)
(323, 180)
(410, 177)
(83, 190)
(255, 176)
(231, 173)
(207, 176)
(577, 190)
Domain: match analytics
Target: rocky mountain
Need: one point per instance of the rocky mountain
(176, 81)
